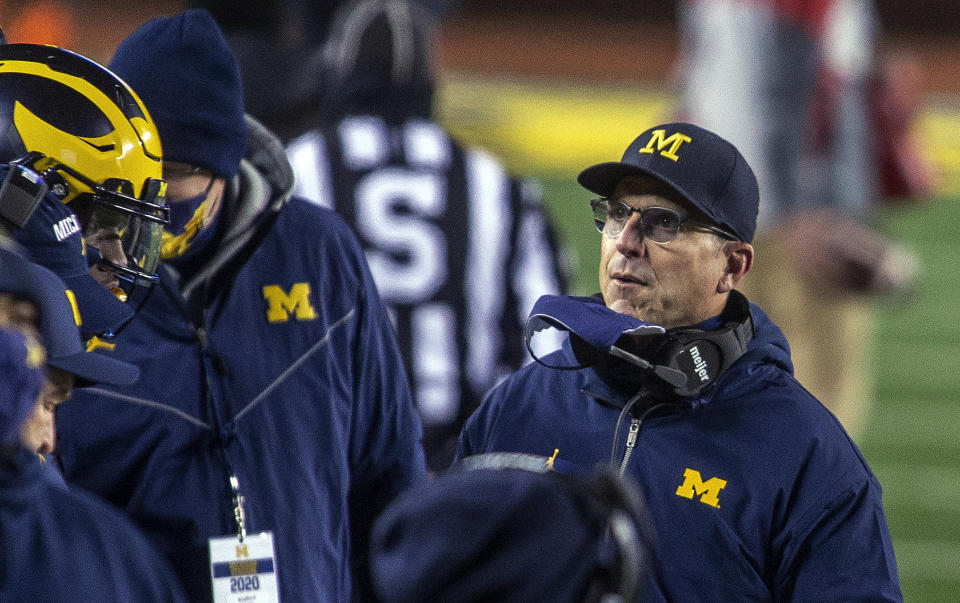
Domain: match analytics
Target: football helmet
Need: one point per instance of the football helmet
(93, 143)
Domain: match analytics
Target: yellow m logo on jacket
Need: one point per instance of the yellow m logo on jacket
(693, 485)
(673, 141)
(280, 304)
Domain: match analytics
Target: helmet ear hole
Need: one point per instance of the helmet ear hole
(58, 185)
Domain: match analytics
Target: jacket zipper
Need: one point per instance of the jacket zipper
(631, 443)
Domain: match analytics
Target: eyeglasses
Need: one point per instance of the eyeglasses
(659, 224)
(173, 170)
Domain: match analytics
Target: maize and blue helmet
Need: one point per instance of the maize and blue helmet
(91, 139)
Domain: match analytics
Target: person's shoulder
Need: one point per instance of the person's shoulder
(315, 238)
(300, 208)
(73, 515)
(534, 384)
(797, 425)
(77, 516)
(767, 388)
(301, 216)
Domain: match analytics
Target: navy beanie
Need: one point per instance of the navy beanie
(490, 535)
(186, 75)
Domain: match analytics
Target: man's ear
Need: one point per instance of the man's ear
(739, 260)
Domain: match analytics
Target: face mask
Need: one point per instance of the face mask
(186, 220)
(182, 212)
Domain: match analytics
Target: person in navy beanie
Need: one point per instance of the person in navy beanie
(266, 313)
(514, 531)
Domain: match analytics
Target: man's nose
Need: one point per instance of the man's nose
(631, 240)
(48, 434)
(112, 250)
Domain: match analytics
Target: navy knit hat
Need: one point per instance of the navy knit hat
(490, 534)
(706, 170)
(186, 75)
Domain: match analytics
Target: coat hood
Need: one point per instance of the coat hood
(252, 201)
(613, 379)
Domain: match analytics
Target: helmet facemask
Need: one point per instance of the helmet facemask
(112, 212)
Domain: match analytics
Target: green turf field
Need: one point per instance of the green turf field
(912, 437)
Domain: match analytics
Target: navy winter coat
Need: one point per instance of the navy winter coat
(65, 545)
(756, 492)
(287, 371)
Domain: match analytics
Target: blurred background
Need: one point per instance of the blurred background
(555, 86)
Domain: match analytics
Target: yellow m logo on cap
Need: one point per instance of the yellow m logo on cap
(662, 141)
(693, 485)
(73, 306)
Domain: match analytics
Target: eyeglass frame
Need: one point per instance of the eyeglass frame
(682, 219)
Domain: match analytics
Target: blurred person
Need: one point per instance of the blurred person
(34, 299)
(81, 159)
(67, 363)
(458, 248)
(670, 374)
(58, 544)
(39, 432)
(795, 85)
(281, 84)
(290, 424)
(505, 527)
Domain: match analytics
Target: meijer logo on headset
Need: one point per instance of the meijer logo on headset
(699, 364)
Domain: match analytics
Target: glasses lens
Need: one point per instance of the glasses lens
(599, 207)
(660, 225)
(610, 216)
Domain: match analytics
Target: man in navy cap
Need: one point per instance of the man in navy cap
(36, 299)
(58, 544)
(756, 490)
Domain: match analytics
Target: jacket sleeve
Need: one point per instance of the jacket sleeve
(844, 553)
(477, 434)
(386, 450)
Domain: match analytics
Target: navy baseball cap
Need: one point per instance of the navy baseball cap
(704, 169)
(58, 323)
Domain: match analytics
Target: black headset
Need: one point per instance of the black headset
(685, 359)
(612, 502)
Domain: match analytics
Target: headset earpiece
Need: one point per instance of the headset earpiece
(704, 355)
